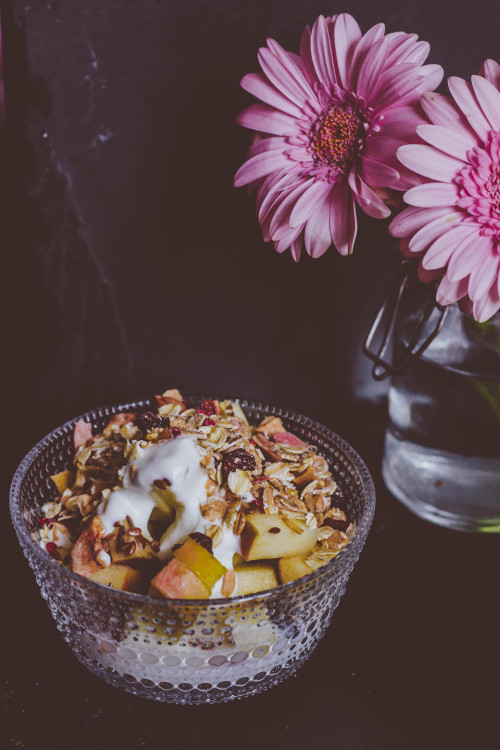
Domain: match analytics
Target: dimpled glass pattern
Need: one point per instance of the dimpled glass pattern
(197, 651)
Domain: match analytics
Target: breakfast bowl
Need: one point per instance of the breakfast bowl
(191, 651)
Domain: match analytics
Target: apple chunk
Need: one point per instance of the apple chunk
(268, 536)
(177, 581)
(122, 577)
(291, 568)
(201, 562)
(256, 576)
(62, 480)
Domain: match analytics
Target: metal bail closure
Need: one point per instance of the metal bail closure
(380, 344)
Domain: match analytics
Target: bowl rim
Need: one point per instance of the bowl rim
(356, 542)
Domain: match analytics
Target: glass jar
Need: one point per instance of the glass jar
(442, 443)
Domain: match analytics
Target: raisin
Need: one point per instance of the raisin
(237, 459)
(203, 540)
(148, 420)
(337, 524)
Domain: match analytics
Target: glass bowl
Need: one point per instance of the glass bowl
(180, 651)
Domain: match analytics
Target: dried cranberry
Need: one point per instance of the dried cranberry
(262, 478)
(237, 459)
(208, 407)
(208, 422)
(337, 524)
(42, 521)
(51, 548)
(175, 432)
(148, 420)
(203, 540)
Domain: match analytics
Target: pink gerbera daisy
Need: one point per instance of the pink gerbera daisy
(454, 220)
(330, 124)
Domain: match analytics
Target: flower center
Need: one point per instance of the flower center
(336, 137)
(479, 186)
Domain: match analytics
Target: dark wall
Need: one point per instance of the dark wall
(132, 262)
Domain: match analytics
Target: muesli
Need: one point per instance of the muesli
(191, 503)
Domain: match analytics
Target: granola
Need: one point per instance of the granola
(182, 502)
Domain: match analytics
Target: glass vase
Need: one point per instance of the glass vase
(442, 443)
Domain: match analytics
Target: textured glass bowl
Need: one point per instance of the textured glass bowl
(182, 651)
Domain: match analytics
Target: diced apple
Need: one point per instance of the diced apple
(268, 536)
(256, 576)
(201, 562)
(82, 433)
(62, 480)
(140, 557)
(289, 439)
(177, 581)
(165, 504)
(122, 577)
(154, 592)
(86, 548)
(291, 568)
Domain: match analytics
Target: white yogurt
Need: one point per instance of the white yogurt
(128, 501)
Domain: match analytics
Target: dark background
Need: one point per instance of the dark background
(131, 264)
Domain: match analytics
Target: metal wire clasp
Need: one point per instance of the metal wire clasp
(379, 345)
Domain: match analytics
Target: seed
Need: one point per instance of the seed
(108, 537)
(134, 531)
(155, 546)
(274, 530)
(130, 548)
(162, 484)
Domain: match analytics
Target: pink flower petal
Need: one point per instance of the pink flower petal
(367, 199)
(483, 309)
(271, 143)
(482, 276)
(433, 75)
(258, 85)
(293, 67)
(376, 174)
(467, 253)
(280, 223)
(442, 110)
(277, 193)
(436, 225)
(317, 236)
(346, 37)
(432, 194)
(449, 292)
(266, 119)
(393, 85)
(280, 77)
(321, 53)
(464, 96)
(491, 71)
(446, 140)
(489, 100)
(363, 49)
(306, 57)
(259, 166)
(295, 248)
(313, 197)
(382, 148)
(427, 276)
(439, 253)
(418, 53)
(412, 219)
(343, 223)
(429, 162)
(402, 122)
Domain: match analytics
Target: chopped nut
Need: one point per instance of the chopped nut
(216, 535)
(239, 523)
(214, 509)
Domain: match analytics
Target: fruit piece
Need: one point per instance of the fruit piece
(209, 407)
(237, 459)
(154, 592)
(86, 548)
(201, 562)
(268, 536)
(177, 581)
(62, 480)
(291, 568)
(270, 426)
(289, 439)
(82, 433)
(165, 503)
(127, 546)
(256, 576)
(122, 577)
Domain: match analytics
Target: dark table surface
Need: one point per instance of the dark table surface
(409, 661)
(130, 264)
